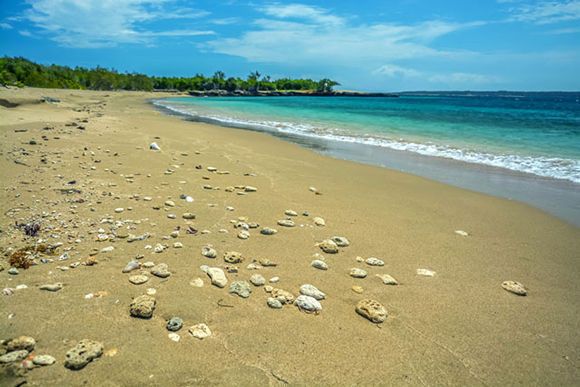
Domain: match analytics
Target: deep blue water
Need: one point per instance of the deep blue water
(536, 133)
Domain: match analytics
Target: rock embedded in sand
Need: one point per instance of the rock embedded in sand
(160, 270)
(196, 282)
(328, 246)
(217, 276)
(243, 235)
(142, 306)
(249, 188)
(268, 231)
(13, 356)
(82, 354)
(387, 279)
(51, 287)
(188, 216)
(357, 289)
(233, 257)
(308, 304)
(312, 291)
(154, 146)
(257, 280)
(462, 233)
(318, 221)
(138, 279)
(319, 264)
(515, 288)
(200, 331)
(286, 223)
(355, 272)
(425, 272)
(169, 203)
(371, 310)
(174, 324)
(208, 252)
(372, 261)
(23, 342)
(241, 288)
(290, 213)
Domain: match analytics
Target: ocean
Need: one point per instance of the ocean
(526, 138)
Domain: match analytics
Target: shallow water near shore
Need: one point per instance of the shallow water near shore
(527, 151)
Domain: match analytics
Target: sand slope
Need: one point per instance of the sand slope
(457, 328)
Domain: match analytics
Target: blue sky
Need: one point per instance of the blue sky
(389, 45)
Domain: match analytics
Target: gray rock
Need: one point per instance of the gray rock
(274, 303)
(371, 310)
(515, 288)
(387, 279)
(241, 288)
(217, 276)
(340, 241)
(312, 291)
(188, 216)
(328, 246)
(257, 280)
(372, 261)
(268, 231)
(23, 342)
(358, 273)
(286, 223)
(13, 271)
(174, 324)
(142, 306)
(43, 360)
(160, 270)
(138, 279)
(132, 265)
(319, 221)
(208, 252)
(51, 287)
(13, 356)
(290, 213)
(81, 355)
(308, 304)
(318, 264)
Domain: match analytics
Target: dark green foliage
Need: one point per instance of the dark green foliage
(22, 72)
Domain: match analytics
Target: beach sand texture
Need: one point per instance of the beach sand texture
(459, 327)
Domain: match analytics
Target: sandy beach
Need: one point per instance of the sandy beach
(82, 169)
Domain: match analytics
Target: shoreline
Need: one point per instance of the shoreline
(557, 197)
(458, 327)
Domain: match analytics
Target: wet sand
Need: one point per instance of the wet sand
(459, 327)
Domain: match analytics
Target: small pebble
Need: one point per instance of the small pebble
(372, 261)
(257, 280)
(387, 279)
(43, 360)
(174, 324)
(425, 272)
(174, 337)
(318, 264)
(308, 304)
(312, 291)
(319, 221)
(328, 246)
(355, 272)
(138, 279)
(200, 331)
(274, 303)
(371, 310)
(515, 288)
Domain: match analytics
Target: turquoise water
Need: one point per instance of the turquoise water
(536, 133)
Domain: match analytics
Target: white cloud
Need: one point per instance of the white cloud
(299, 33)
(562, 31)
(25, 33)
(547, 12)
(5, 26)
(454, 78)
(103, 23)
(301, 11)
(394, 71)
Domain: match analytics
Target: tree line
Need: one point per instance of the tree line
(18, 71)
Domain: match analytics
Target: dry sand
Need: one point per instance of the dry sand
(457, 328)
